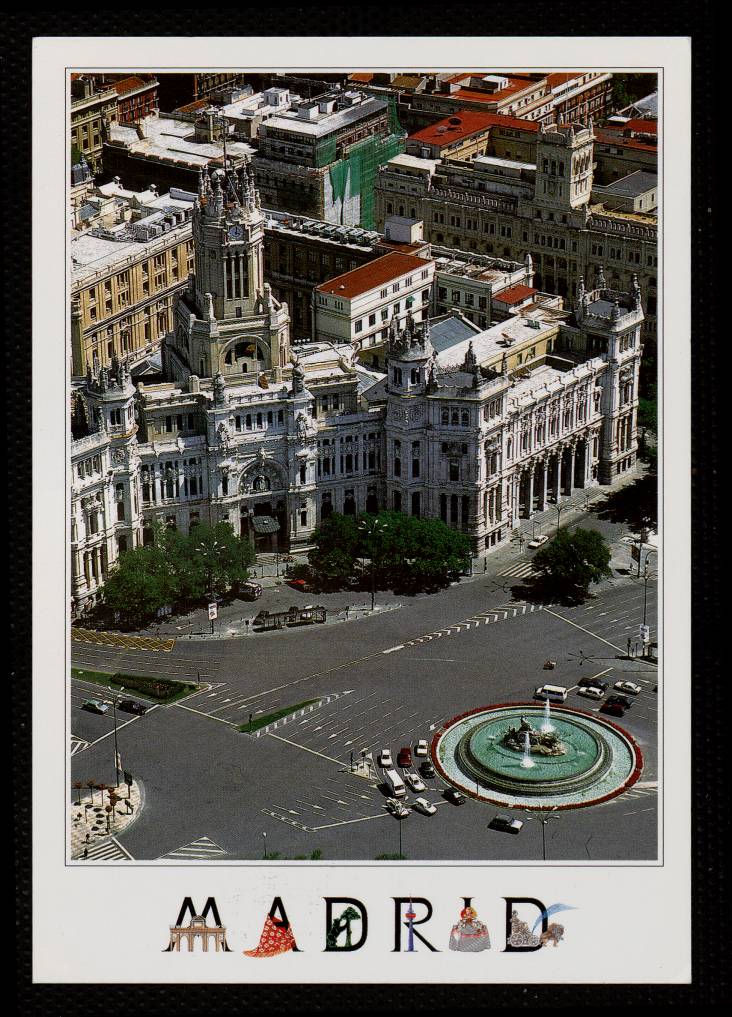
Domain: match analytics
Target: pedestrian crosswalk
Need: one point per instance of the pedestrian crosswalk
(203, 849)
(481, 618)
(107, 851)
(519, 570)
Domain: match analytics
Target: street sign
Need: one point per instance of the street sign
(645, 633)
(213, 611)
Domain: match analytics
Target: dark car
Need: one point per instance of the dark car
(614, 709)
(621, 701)
(131, 706)
(427, 769)
(505, 824)
(405, 757)
(454, 796)
(592, 683)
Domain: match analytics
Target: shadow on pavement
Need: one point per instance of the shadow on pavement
(636, 505)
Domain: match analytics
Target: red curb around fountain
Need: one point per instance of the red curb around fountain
(572, 711)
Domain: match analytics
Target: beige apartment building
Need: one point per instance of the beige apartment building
(124, 281)
(93, 111)
(511, 208)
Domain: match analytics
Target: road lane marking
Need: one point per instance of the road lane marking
(347, 822)
(393, 649)
(200, 713)
(305, 748)
(582, 629)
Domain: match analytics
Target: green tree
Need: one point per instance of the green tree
(176, 569)
(217, 558)
(574, 559)
(337, 545)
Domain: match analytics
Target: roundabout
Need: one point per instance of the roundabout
(520, 755)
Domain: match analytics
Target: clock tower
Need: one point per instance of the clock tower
(228, 322)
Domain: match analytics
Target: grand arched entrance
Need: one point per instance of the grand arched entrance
(264, 519)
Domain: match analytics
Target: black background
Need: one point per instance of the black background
(711, 707)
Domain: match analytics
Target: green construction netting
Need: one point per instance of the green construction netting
(355, 173)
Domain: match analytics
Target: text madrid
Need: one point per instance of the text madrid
(346, 927)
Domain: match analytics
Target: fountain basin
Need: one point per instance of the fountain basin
(598, 759)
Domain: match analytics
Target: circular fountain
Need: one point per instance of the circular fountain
(528, 756)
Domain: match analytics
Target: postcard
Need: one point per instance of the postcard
(361, 510)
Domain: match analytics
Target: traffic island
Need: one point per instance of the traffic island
(98, 814)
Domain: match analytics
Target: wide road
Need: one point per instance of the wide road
(212, 791)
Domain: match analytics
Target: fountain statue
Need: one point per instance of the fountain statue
(528, 740)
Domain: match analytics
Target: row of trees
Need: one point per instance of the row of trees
(401, 549)
(178, 570)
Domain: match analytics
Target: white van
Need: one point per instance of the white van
(554, 693)
(396, 783)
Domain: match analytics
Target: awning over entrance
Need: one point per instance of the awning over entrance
(265, 524)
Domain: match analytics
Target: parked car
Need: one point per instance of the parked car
(131, 706)
(95, 706)
(590, 691)
(385, 759)
(413, 781)
(405, 756)
(505, 824)
(423, 806)
(614, 709)
(454, 796)
(554, 693)
(298, 584)
(396, 808)
(630, 687)
(595, 683)
(621, 700)
(427, 769)
(538, 541)
(421, 748)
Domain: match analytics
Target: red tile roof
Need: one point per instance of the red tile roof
(130, 84)
(466, 122)
(641, 126)
(603, 137)
(372, 274)
(515, 294)
(362, 77)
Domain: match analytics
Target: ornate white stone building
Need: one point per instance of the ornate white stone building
(245, 431)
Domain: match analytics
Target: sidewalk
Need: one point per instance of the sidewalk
(234, 619)
(92, 825)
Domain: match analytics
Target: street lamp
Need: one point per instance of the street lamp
(559, 509)
(543, 817)
(371, 530)
(207, 553)
(116, 752)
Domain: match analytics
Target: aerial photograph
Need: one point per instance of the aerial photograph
(363, 467)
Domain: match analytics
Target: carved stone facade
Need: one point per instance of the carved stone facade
(481, 435)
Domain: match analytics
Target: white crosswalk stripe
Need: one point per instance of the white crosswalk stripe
(107, 850)
(482, 618)
(201, 849)
(519, 570)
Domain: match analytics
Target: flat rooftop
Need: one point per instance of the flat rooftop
(631, 186)
(173, 140)
(493, 160)
(324, 123)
